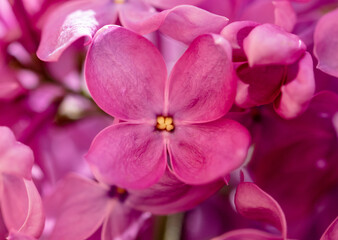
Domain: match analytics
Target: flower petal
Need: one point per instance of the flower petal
(170, 195)
(244, 234)
(125, 74)
(123, 223)
(128, 155)
(331, 232)
(285, 15)
(19, 236)
(183, 23)
(76, 208)
(201, 84)
(325, 43)
(71, 21)
(298, 90)
(164, 4)
(252, 202)
(270, 44)
(201, 153)
(258, 85)
(15, 157)
(21, 206)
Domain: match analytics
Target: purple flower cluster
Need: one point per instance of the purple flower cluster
(168, 119)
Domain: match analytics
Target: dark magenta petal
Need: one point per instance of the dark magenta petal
(183, 23)
(15, 157)
(201, 84)
(123, 223)
(325, 43)
(331, 233)
(170, 195)
(21, 206)
(125, 74)
(201, 153)
(69, 22)
(270, 44)
(252, 202)
(246, 234)
(128, 155)
(258, 85)
(76, 208)
(298, 90)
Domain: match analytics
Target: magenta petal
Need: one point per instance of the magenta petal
(325, 43)
(170, 195)
(15, 157)
(19, 236)
(164, 4)
(201, 153)
(201, 84)
(21, 206)
(128, 155)
(123, 223)
(270, 44)
(76, 208)
(69, 22)
(285, 16)
(183, 23)
(125, 74)
(246, 234)
(252, 202)
(297, 92)
(331, 232)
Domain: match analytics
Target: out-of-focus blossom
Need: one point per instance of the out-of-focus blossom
(76, 19)
(326, 43)
(127, 78)
(267, 73)
(331, 232)
(115, 207)
(21, 205)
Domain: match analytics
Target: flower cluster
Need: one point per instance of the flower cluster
(168, 119)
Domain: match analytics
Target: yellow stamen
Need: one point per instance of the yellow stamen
(119, 1)
(165, 123)
(120, 190)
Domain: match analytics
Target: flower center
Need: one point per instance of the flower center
(165, 123)
(119, 1)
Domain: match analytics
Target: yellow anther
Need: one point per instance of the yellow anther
(120, 190)
(119, 1)
(165, 123)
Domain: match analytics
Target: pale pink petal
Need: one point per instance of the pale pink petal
(258, 85)
(164, 4)
(125, 74)
(201, 153)
(252, 202)
(183, 23)
(325, 43)
(15, 157)
(201, 84)
(270, 44)
(235, 33)
(123, 223)
(246, 234)
(21, 206)
(285, 15)
(298, 90)
(331, 233)
(76, 209)
(170, 195)
(128, 155)
(71, 21)
(19, 236)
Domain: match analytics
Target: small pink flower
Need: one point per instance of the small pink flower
(179, 115)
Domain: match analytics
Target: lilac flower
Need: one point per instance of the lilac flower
(267, 73)
(79, 206)
(20, 201)
(77, 19)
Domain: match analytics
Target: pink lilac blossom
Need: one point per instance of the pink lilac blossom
(126, 76)
(188, 115)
